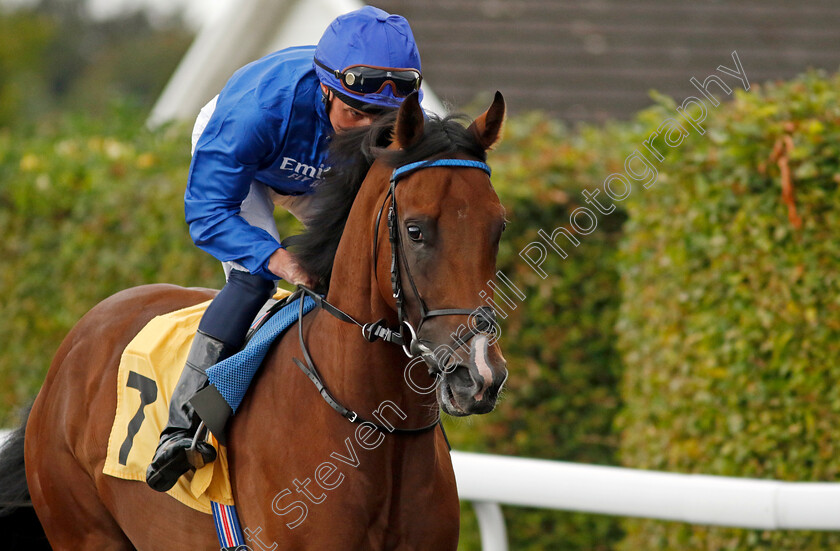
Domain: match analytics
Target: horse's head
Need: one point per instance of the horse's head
(444, 224)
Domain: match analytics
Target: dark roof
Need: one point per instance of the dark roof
(597, 59)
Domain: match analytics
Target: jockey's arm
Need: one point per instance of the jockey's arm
(283, 265)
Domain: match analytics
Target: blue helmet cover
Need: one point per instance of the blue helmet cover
(367, 36)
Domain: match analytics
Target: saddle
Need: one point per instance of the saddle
(147, 375)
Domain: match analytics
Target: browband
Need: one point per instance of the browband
(411, 167)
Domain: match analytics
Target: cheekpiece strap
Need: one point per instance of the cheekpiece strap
(404, 170)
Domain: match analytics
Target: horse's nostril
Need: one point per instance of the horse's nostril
(461, 377)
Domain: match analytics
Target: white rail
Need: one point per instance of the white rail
(490, 480)
(692, 498)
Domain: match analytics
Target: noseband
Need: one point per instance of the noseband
(405, 335)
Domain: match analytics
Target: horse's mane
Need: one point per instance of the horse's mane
(351, 155)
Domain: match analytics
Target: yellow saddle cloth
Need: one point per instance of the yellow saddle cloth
(149, 370)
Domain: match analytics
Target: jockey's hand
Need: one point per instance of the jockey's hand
(283, 264)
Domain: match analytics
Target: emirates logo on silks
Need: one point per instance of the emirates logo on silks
(301, 171)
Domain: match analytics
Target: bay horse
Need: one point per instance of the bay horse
(372, 489)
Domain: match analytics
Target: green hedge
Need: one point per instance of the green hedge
(562, 394)
(86, 209)
(730, 319)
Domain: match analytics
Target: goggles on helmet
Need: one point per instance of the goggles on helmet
(366, 79)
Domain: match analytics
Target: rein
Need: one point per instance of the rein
(312, 372)
(405, 335)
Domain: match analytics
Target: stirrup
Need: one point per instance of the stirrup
(182, 461)
(194, 456)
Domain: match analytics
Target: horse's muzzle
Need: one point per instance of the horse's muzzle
(473, 386)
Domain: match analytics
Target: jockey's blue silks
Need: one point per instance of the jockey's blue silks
(269, 125)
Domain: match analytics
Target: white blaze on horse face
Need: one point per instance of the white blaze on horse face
(479, 353)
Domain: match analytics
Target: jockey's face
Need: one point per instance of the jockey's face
(343, 117)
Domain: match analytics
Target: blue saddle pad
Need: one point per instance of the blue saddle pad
(233, 376)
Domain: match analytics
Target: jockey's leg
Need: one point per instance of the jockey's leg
(221, 333)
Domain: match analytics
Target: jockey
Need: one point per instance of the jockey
(263, 141)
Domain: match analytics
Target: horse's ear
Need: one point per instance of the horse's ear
(487, 128)
(410, 122)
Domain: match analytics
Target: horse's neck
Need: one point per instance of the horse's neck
(353, 282)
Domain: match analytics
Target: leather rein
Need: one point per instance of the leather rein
(405, 335)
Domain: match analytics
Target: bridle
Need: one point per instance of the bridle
(405, 335)
(414, 347)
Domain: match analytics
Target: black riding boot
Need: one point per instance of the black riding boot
(171, 458)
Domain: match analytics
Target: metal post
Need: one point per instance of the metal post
(491, 526)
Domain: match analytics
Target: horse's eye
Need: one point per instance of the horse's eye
(504, 226)
(414, 232)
